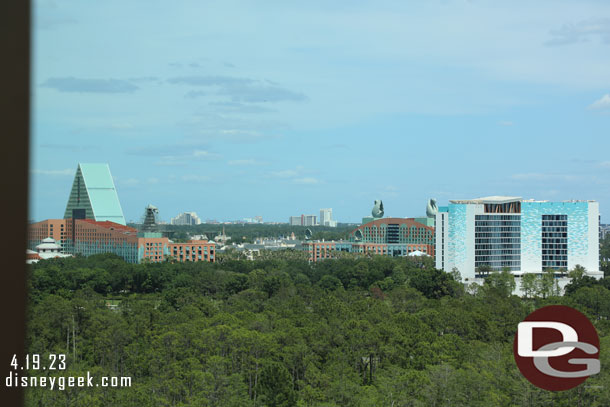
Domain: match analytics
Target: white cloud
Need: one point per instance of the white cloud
(306, 180)
(505, 123)
(603, 103)
(241, 89)
(204, 153)
(196, 178)
(284, 173)
(62, 173)
(129, 181)
(170, 161)
(244, 162)
(181, 159)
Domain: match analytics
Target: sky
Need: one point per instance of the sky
(235, 109)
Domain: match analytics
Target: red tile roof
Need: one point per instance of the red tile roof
(108, 225)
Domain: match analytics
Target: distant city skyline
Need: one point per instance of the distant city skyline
(237, 109)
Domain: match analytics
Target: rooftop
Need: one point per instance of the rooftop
(496, 199)
(93, 189)
(499, 199)
(110, 225)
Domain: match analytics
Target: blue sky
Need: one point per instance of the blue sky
(239, 108)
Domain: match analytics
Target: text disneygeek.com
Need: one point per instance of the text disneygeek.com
(55, 362)
(62, 382)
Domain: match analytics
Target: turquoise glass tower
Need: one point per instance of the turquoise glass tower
(93, 195)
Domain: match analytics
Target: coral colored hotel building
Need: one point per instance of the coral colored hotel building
(94, 223)
(385, 236)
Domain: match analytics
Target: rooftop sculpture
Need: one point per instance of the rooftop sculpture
(149, 224)
(377, 211)
(431, 208)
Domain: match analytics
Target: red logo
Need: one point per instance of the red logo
(556, 348)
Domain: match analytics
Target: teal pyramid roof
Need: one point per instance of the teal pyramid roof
(93, 190)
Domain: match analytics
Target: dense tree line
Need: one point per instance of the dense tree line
(280, 331)
(604, 254)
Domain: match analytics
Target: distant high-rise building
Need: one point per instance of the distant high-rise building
(186, 218)
(326, 216)
(309, 220)
(256, 219)
(303, 220)
(93, 195)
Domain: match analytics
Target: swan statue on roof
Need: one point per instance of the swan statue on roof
(431, 208)
(377, 211)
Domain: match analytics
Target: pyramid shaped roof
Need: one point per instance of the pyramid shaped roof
(94, 192)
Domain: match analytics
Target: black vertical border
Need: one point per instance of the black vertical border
(14, 166)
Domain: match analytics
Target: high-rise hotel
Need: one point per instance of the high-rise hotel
(525, 236)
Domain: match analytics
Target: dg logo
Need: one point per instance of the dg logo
(556, 348)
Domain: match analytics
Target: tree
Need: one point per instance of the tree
(275, 386)
(546, 285)
(484, 270)
(455, 273)
(284, 332)
(434, 283)
(579, 279)
(596, 299)
(578, 272)
(529, 284)
(500, 283)
(330, 283)
(604, 250)
(605, 267)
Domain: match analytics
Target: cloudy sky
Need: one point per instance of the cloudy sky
(239, 108)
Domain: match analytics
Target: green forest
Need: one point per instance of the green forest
(281, 331)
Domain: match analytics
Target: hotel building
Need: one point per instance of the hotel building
(326, 217)
(186, 218)
(524, 236)
(303, 220)
(87, 237)
(385, 236)
(94, 223)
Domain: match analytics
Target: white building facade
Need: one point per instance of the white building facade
(525, 236)
(326, 217)
(309, 220)
(303, 220)
(186, 218)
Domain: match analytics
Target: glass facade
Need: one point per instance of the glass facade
(498, 241)
(94, 196)
(392, 233)
(554, 242)
(475, 236)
